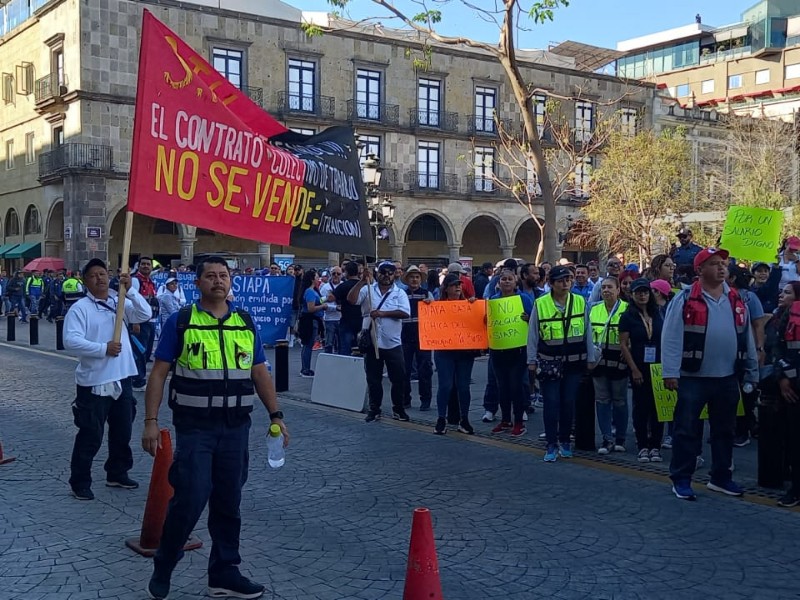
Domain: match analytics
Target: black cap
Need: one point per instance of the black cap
(95, 262)
(640, 283)
(510, 263)
(684, 231)
(451, 279)
(487, 265)
(559, 272)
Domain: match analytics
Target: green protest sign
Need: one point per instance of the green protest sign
(504, 323)
(752, 233)
(667, 399)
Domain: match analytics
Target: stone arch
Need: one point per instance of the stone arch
(444, 220)
(500, 225)
(12, 225)
(54, 230)
(526, 239)
(32, 223)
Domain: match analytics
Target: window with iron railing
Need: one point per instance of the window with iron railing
(302, 85)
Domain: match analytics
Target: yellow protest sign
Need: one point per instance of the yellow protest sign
(667, 399)
(453, 325)
(504, 322)
(752, 233)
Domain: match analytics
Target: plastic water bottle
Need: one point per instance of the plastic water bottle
(276, 455)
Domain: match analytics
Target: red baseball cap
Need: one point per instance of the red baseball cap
(793, 243)
(707, 253)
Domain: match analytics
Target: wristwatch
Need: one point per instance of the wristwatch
(748, 388)
(278, 414)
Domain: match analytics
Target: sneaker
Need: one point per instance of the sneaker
(306, 373)
(83, 493)
(619, 446)
(502, 427)
(441, 426)
(740, 441)
(373, 415)
(524, 416)
(317, 346)
(139, 388)
(698, 464)
(543, 436)
(123, 482)
(655, 455)
(538, 401)
(565, 450)
(667, 443)
(488, 417)
(519, 429)
(644, 455)
(731, 488)
(683, 490)
(606, 448)
(552, 453)
(465, 427)
(399, 414)
(789, 500)
(240, 587)
(158, 587)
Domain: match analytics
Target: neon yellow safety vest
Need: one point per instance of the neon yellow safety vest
(607, 337)
(560, 334)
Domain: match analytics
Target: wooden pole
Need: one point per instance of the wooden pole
(126, 254)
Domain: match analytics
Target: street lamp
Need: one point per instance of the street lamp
(379, 207)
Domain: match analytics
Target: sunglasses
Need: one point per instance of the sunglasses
(385, 271)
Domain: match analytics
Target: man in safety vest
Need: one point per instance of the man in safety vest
(71, 290)
(707, 348)
(34, 286)
(218, 366)
(559, 342)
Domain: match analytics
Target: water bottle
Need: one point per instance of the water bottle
(276, 455)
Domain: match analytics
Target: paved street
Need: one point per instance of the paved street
(334, 522)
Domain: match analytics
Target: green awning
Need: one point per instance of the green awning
(7, 248)
(25, 250)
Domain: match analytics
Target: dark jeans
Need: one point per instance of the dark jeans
(453, 369)
(722, 395)
(18, 304)
(393, 359)
(145, 336)
(747, 423)
(347, 339)
(490, 401)
(209, 467)
(331, 336)
(424, 372)
(91, 412)
(559, 406)
(510, 366)
(649, 430)
(308, 347)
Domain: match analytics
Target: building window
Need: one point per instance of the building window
(30, 151)
(58, 66)
(734, 82)
(368, 94)
(8, 88)
(540, 112)
(762, 76)
(368, 144)
(583, 176)
(707, 86)
(628, 118)
(302, 130)
(12, 223)
(427, 229)
(584, 113)
(33, 223)
(682, 90)
(230, 64)
(429, 95)
(792, 71)
(532, 180)
(485, 105)
(58, 136)
(484, 169)
(302, 85)
(9, 154)
(428, 165)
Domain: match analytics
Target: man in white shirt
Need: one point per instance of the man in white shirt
(384, 306)
(103, 379)
(177, 291)
(333, 314)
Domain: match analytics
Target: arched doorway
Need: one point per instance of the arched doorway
(426, 241)
(33, 221)
(483, 239)
(526, 241)
(12, 225)
(54, 231)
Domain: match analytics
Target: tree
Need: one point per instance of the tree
(641, 180)
(507, 16)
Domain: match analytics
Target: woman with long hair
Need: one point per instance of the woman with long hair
(662, 267)
(311, 308)
(640, 341)
(625, 280)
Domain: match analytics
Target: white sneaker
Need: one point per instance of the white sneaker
(488, 417)
(618, 447)
(543, 436)
(667, 443)
(655, 455)
(524, 416)
(644, 455)
(699, 462)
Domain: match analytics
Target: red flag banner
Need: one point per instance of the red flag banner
(205, 155)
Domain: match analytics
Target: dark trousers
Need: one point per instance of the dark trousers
(490, 400)
(393, 359)
(559, 405)
(424, 372)
(793, 442)
(510, 366)
(347, 339)
(722, 396)
(209, 467)
(91, 413)
(18, 304)
(145, 336)
(454, 370)
(747, 423)
(649, 430)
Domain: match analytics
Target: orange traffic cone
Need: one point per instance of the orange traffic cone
(422, 573)
(155, 511)
(5, 459)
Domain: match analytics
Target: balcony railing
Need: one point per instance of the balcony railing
(68, 158)
(375, 112)
(481, 125)
(446, 121)
(433, 182)
(494, 186)
(256, 94)
(306, 105)
(48, 88)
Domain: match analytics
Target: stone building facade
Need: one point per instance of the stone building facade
(67, 119)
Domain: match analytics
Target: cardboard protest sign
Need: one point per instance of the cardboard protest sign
(752, 233)
(505, 326)
(667, 399)
(453, 325)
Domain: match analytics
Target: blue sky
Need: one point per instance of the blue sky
(598, 22)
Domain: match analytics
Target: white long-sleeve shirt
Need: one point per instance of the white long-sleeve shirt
(89, 326)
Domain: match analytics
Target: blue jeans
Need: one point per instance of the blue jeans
(331, 336)
(454, 368)
(559, 406)
(611, 397)
(347, 339)
(145, 336)
(510, 367)
(18, 304)
(490, 401)
(722, 396)
(209, 467)
(308, 349)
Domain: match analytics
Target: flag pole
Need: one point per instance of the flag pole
(373, 331)
(126, 254)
